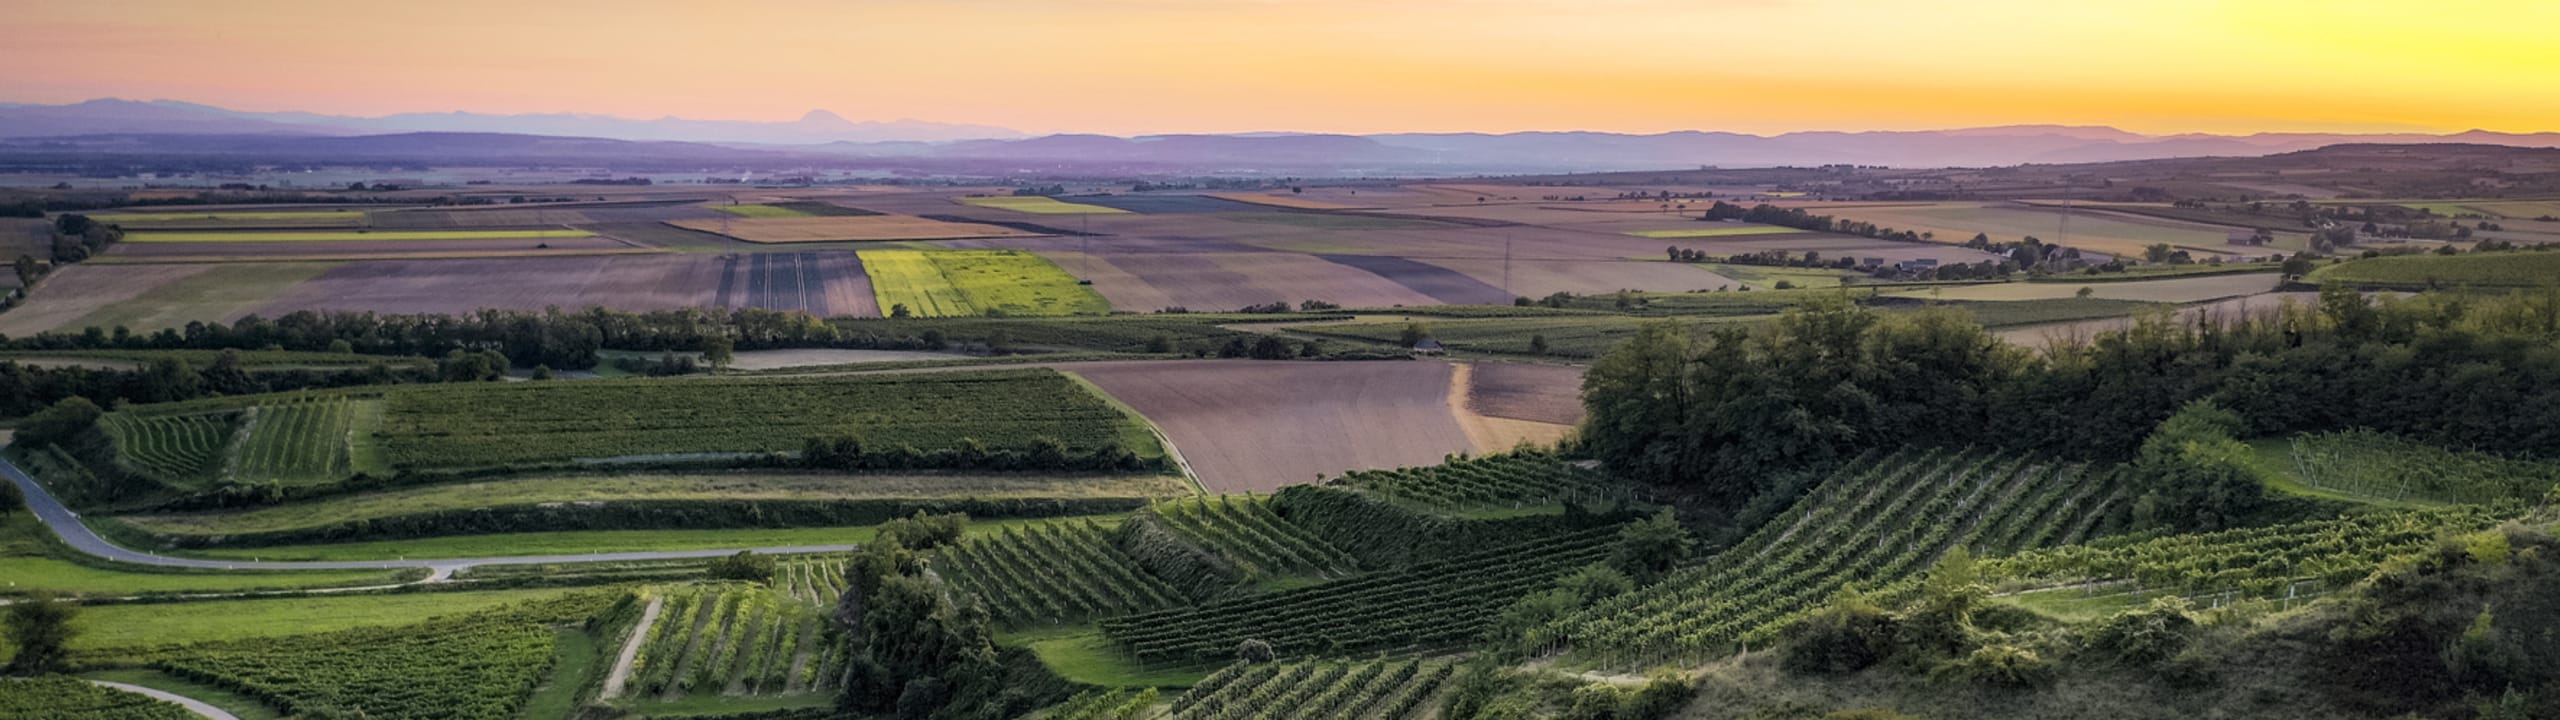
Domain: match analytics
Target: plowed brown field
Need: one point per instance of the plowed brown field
(1256, 426)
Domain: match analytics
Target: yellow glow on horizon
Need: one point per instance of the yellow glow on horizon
(1142, 66)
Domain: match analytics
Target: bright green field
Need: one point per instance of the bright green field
(243, 706)
(1040, 205)
(149, 624)
(2500, 269)
(163, 217)
(346, 236)
(577, 542)
(1082, 655)
(26, 567)
(759, 211)
(945, 283)
(602, 488)
(1722, 230)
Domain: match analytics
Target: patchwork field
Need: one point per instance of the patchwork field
(940, 283)
(1038, 205)
(2172, 290)
(1255, 426)
(1231, 280)
(347, 236)
(821, 284)
(847, 228)
(2114, 234)
(1289, 201)
(1720, 230)
(233, 219)
(2523, 269)
(366, 250)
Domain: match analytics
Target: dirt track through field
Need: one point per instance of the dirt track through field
(1256, 426)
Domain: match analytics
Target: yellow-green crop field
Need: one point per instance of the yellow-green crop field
(1040, 205)
(227, 216)
(1720, 230)
(345, 236)
(759, 211)
(940, 283)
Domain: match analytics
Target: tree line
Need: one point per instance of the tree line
(1718, 411)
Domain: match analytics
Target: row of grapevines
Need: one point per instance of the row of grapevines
(512, 423)
(1871, 524)
(1380, 689)
(1114, 704)
(62, 697)
(1432, 604)
(1052, 573)
(727, 639)
(1245, 532)
(301, 440)
(2374, 464)
(178, 449)
(2257, 561)
(1493, 480)
(481, 665)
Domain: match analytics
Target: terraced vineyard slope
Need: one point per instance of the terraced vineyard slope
(1244, 532)
(1872, 524)
(1376, 690)
(732, 640)
(1430, 605)
(2254, 562)
(1493, 481)
(1050, 573)
(180, 450)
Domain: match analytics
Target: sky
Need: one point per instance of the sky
(1360, 66)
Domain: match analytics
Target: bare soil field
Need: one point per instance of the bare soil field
(1231, 280)
(822, 284)
(1332, 201)
(507, 218)
(79, 290)
(1441, 284)
(1256, 426)
(1540, 278)
(636, 282)
(1522, 391)
(359, 249)
(845, 228)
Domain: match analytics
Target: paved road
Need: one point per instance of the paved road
(66, 524)
(193, 705)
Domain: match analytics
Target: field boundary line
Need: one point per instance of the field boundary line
(1162, 440)
(621, 672)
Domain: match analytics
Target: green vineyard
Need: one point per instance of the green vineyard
(1249, 537)
(2258, 562)
(62, 697)
(731, 640)
(304, 439)
(1116, 704)
(481, 666)
(513, 423)
(183, 450)
(1429, 605)
(1377, 690)
(814, 579)
(2379, 465)
(1053, 573)
(1493, 481)
(1874, 523)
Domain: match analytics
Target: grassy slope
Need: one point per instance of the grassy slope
(216, 294)
(107, 627)
(576, 542)
(1081, 654)
(523, 491)
(31, 561)
(243, 706)
(2518, 269)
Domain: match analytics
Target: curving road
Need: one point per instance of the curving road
(192, 705)
(67, 525)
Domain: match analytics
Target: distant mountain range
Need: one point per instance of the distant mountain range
(821, 137)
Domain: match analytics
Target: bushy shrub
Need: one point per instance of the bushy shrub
(2145, 636)
(1849, 635)
(2002, 665)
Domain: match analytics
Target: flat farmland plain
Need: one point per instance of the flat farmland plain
(1257, 426)
(2170, 290)
(2109, 233)
(830, 284)
(937, 283)
(259, 236)
(366, 249)
(787, 229)
(1230, 280)
(625, 282)
(1037, 205)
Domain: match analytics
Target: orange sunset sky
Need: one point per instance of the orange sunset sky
(1148, 66)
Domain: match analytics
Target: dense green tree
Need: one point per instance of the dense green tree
(41, 629)
(746, 566)
(64, 422)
